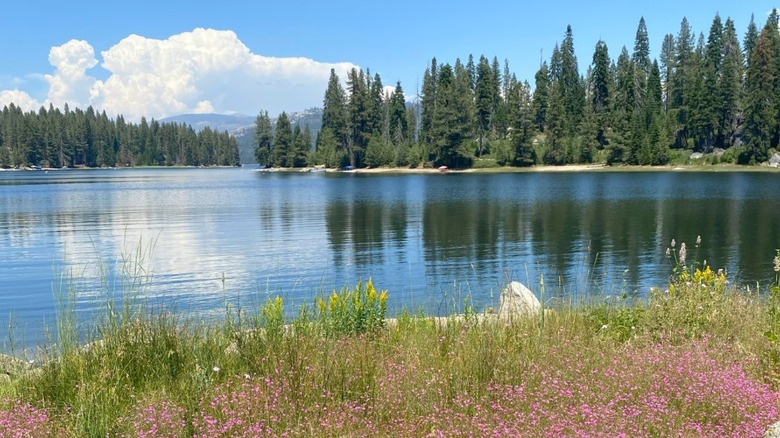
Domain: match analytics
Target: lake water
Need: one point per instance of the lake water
(207, 237)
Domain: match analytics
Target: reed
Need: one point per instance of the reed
(694, 359)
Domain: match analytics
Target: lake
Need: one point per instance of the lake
(200, 239)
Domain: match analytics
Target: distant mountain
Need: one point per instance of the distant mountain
(218, 122)
(242, 126)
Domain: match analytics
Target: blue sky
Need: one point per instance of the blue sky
(248, 56)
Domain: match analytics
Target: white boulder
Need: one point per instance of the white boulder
(517, 300)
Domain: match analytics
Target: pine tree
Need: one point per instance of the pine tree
(732, 72)
(282, 152)
(668, 55)
(759, 109)
(712, 75)
(451, 126)
(541, 97)
(640, 63)
(428, 103)
(398, 124)
(301, 141)
(751, 36)
(519, 100)
(471, 70)
(572, 91)
(334, 115)
(600, 94)
(556, 125)
(641, 55)
(263, 139)
(360, 117)
(483, 100)
(683, 82)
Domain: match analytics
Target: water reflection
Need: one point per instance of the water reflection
(222, 236)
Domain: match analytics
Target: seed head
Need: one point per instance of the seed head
(673, 243)
(668, 252)
(698, 241)
(683, 254)
(777, 261)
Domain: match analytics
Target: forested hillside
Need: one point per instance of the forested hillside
(54, 138)
(707, 93)
(715, 93)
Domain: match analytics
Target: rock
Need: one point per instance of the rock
(696, 156)
(517, 300)
(775, 160)
(12, 366)
(718, 152)
(773, 431)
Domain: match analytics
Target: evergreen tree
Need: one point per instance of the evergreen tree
(541, 97)
(428, 103)
(484, 99)
(301, 141)
(282, 152)
(600, 94)
(683, 82)
(471, 70)
(263, 139)
(571, 89)
(732, 71)
(360, 117)
(667, 58)
(334, 116)
(450, 128)
(640, 62)
(556, 123)
(759, 109)
(712, 81)
(524, 126)
(398, 124)
(376, 113)
(641, 57)
(751, 36)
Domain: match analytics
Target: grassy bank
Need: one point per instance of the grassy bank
(700, 358)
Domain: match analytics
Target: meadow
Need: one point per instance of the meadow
(699, 357)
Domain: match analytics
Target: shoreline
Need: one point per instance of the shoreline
(569, 168)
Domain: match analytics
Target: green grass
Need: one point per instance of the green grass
(696, 359)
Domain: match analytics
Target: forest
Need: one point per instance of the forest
(703, 94)
(78, 138)
(717, 95)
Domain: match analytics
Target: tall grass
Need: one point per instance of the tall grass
(695, 359)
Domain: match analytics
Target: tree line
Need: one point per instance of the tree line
(366, 127)
(709, 94)
(84, 138)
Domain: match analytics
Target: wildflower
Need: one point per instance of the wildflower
(673, 243)
(698, 241)
(683, 254)
(668, 252)
(215, 369)
(604, 327)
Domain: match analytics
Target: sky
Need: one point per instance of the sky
(159, 59)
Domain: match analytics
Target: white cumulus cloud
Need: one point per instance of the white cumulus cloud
(20, 99)
(205, 70)
(70, 82)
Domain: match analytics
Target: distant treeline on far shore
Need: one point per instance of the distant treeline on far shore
(715, 94)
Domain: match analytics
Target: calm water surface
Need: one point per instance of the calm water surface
(209, 237)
